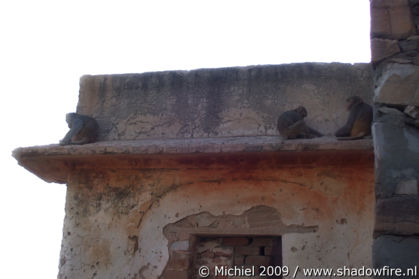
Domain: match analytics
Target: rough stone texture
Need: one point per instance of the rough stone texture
(119, 215)
(398, 85)
(397, 215)
(407, 187)
(242, 101)
(410, 57)
(383, 48)
(391, 19)
(396, 252)
(395, 113)
(396, 135)
(412, 111)
(396, 149)
(54, 163)
(412, 43)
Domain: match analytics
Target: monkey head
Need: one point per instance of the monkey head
(69, 118)
(301, 111)
(351, 101)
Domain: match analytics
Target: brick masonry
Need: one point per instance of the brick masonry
(237, 251)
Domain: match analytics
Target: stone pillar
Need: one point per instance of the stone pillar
(395, 56)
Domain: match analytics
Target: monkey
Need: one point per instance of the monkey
(359, 121)
(291, 125)
(83, 129)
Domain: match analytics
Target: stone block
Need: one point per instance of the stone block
(412, 43)
(397, 215)
(396, 252)
(412, 111)
(391, 19)
(380, 21)
(398, 85)
(391, 111)
(407, 187)
(396, 160)
(410, 57)
(402, 59)
(382, 48)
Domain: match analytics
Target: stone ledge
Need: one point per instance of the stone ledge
(194, 145)
(54, 163)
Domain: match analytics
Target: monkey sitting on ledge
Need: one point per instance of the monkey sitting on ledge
(359, 120)
(291, 125)
(83, 129)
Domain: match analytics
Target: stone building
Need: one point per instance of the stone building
(189, 170)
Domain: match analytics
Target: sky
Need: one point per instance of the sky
(46, 46)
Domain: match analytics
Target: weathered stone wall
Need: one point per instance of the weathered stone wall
(139, 220)
(395, 52)
(140, 217)
(394, 37)
(239, 101)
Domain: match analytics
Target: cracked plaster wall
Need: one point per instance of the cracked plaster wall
(236, 101)
(116, 218)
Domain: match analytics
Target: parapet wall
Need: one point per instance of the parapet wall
(240, 101)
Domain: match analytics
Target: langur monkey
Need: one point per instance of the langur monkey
(83, 129)
(359, 121)
(291, 125)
